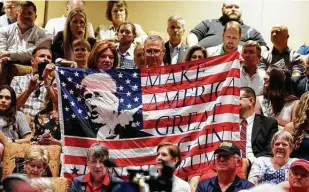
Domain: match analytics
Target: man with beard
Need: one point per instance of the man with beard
(258, 129)
(231, 38)
(126, 34)
(209, 32)
(175, 49)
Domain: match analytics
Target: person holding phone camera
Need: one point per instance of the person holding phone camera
(31, 89)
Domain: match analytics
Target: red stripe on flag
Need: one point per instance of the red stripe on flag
(175, 102)
(193, 65)
(191, 118)
(152, 141)
(185, 84)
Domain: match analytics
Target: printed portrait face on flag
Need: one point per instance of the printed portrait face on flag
(194, 105)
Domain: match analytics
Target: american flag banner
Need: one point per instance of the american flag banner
(194, 105)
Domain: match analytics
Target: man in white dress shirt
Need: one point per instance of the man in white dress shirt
(55, 25)
(10, 16)
(250, 74)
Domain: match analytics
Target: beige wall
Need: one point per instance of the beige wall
(152, 15)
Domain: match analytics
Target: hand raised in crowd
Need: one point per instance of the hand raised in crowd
(34, 83)
(45, 139)
(47, 73)
(4, 60)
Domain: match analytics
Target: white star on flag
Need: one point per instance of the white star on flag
(137, 123)
(73, 115)
(70, 79)
(71, 92)
(128, 81)
(61, 71)
(66, 109)
(121, 100)
(65, 96)
(78, 86)
(76, 74)
(129, 106)
(136, 99)
(63, 84)
(134, 87)
(120, 75)
(135, 75)
(120, 88)
(72, 103)
(79, 111)
(79, 99)
(128, 93)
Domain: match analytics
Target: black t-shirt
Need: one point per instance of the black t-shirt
(209, 33)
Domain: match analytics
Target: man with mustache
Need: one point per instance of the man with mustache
(175, 49)
(208, 32)
(227, 159)
(231, 38)
(299, 176)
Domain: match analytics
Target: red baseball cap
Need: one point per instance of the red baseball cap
(301, 163)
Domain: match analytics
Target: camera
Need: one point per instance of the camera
(154, 182)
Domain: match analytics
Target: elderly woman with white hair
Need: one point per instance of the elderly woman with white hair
(274, 169)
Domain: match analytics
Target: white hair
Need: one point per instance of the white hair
(43, 184)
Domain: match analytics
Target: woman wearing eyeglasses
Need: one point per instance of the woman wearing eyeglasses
(274, 169)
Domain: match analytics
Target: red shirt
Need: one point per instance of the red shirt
(90, 188)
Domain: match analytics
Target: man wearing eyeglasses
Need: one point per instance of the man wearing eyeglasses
(259, 129)
(10, 15)
(227, 159)
(154, 51)
(97, 179)
(299, 176)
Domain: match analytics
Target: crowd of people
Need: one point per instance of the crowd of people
(274, 94)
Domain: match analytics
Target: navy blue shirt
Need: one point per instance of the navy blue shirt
(212, 185)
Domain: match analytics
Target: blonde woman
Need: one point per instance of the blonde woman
(75, 28)
(36, 161)
(300, 128)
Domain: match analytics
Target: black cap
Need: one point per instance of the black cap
(228, 147)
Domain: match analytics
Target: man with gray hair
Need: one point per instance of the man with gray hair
(97, 179)
(154, 51)
(55, 25)
(10, 16)
(175, 49)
